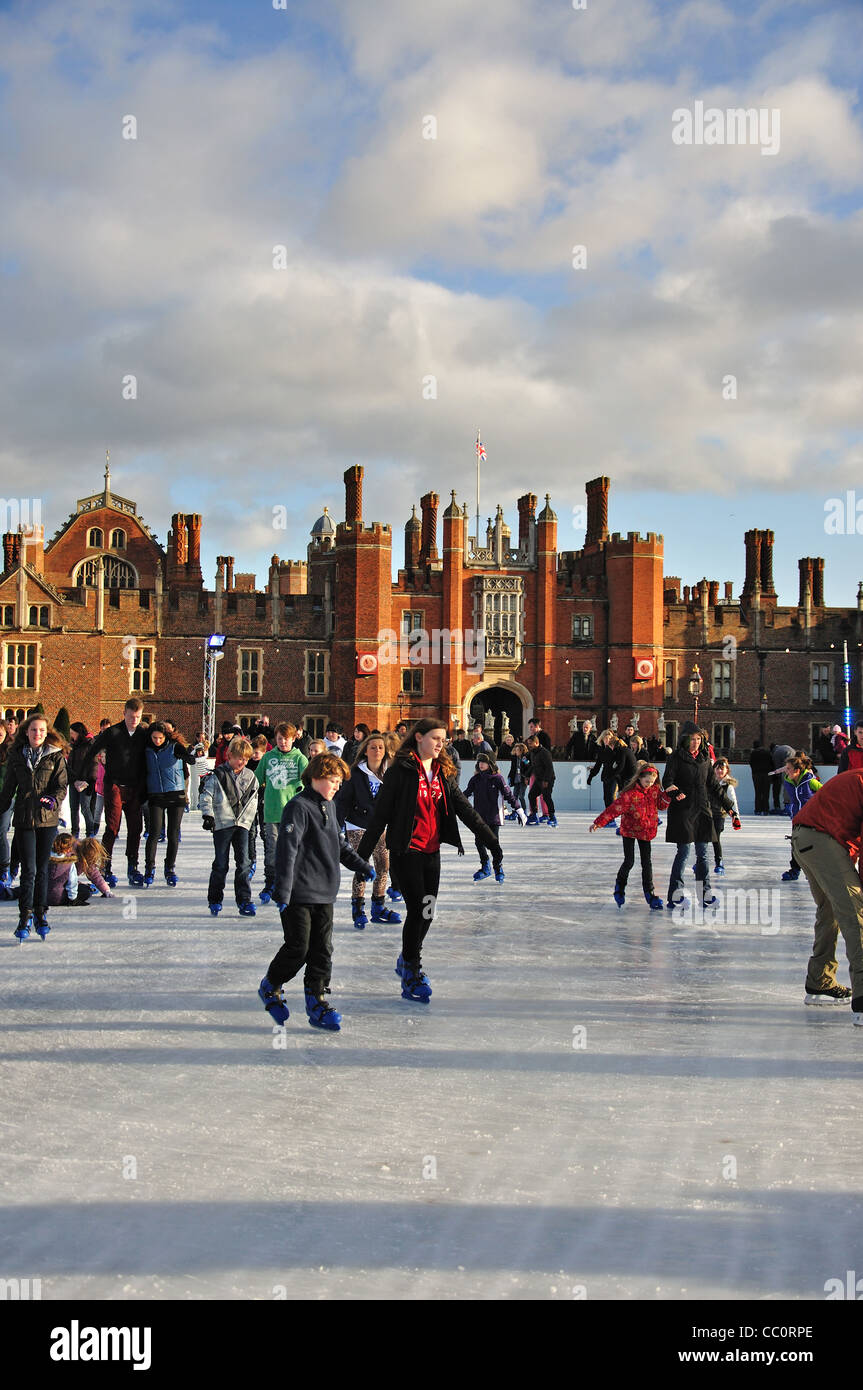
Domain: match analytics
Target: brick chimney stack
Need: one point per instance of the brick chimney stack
(752, 540)
(353, 480)
(804, 568)
(526, 515)
(11, 549)
(713, 592)
(818, 582)
(428, 540)
(597, 510)
(768, 589)
(729, 590)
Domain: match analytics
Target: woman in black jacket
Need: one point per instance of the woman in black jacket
(82, 779)
(689, 772)
(36, 776)
(616, 763)
(420, 805)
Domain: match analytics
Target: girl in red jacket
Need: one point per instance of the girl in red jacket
(638, 806)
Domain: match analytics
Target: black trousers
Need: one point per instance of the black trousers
(629, 860)
(157, 817)
(34, 846)
(418, 878)
(761, 783)
(538, 791)
(481, 849)
(308, 929)
(609, 790)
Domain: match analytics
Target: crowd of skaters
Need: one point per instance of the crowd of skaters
(382, 803)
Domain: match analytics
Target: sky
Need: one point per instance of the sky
(345, 232)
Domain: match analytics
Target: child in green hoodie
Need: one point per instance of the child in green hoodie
(279, 773)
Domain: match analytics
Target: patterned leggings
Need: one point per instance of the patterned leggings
(381, 861)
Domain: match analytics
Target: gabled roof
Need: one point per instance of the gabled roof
(106, 500)
(53, 593)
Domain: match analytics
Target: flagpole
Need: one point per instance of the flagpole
(477, 488)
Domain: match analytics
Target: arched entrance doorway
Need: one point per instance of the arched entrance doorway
(498, 699)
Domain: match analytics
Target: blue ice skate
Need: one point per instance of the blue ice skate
(358, 912)
(552, 822)
(266, 894)
(5, 885)
(170, 878)
(42, 928)
(215, 909)
(532, 819)
(720, 868)
(791, 876)
(619, 895)
(136, 878)
(653, 901)
(273, 1001)
(149, 878)
(499, 874)
(247, 909)
(321, 1015)
(394, 895)
(22, 931)
(111, 880)
(484, 872)
(415, 983)
(381, 913)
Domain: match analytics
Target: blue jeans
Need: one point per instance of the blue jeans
(702, 870)
(81, 803)
(238, 836)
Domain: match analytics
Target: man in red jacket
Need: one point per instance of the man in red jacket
(825, 840)
(853, 756)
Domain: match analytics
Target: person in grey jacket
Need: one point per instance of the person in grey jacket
(229, 802)
(308, 853)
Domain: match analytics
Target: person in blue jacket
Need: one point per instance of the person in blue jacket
(487, 787)
(166, 762)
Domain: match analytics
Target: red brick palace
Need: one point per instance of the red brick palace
(103, 610)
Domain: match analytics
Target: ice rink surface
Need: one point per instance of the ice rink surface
(596, 1103)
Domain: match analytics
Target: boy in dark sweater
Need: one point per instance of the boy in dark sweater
(543, 780)
(309, 850)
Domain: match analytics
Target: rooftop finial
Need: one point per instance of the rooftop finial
(107, 471)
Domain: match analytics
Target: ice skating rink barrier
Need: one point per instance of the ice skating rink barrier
(570, 793)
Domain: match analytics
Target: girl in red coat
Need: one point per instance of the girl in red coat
(638, 806)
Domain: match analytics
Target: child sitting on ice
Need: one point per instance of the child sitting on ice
(71, 861)
(638, 806)
(487, 787)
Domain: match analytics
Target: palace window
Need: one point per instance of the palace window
(411, 621)
(723, 681)
(40, 615)
(317, 673)
(820, 671)
(119, 574)
(314, 725)
(19, 665)
(7, 615)
(118, 540)
(723, 737)
(669, 680)
(582, 629)
(250, 670)
(412, 680)
(95, 537)
(143, 671)
(582, 683)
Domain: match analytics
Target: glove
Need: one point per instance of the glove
(369, 874)
(208, 823)
(49, 801)
(521, 817)
(735, 821)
